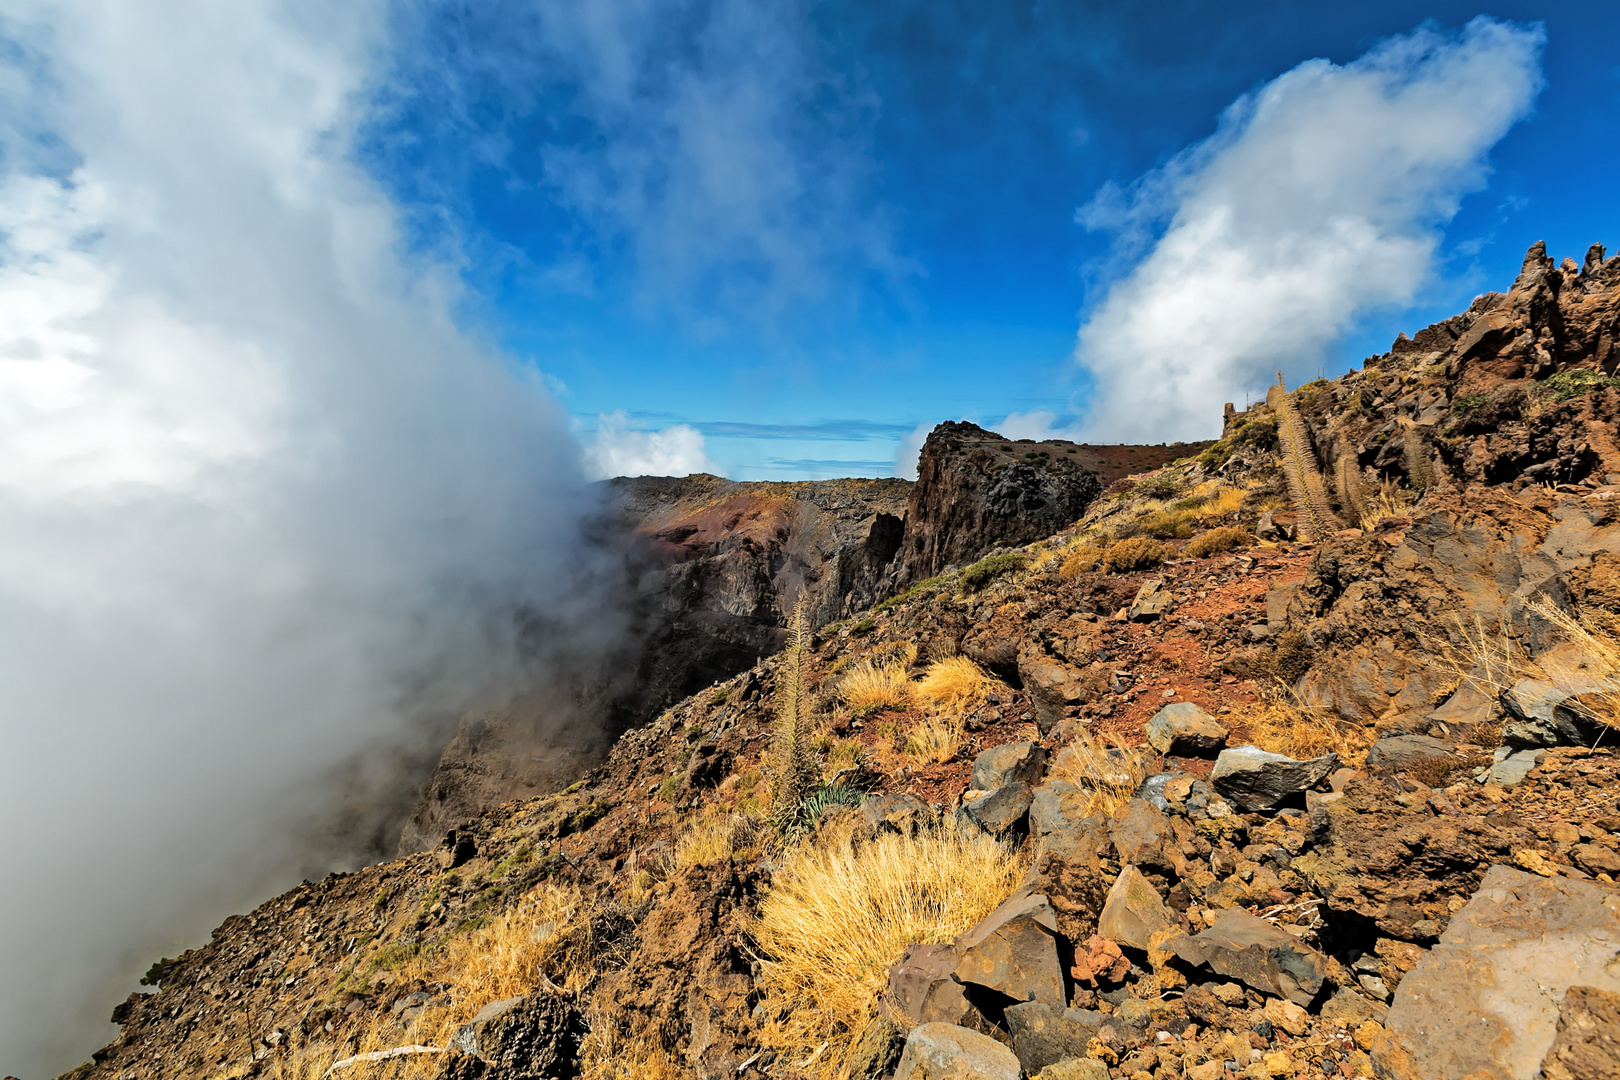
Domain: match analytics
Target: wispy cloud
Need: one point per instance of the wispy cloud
(702, 149)
(1319, 198)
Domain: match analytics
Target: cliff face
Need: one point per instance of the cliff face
(977, 490)
(715, 567)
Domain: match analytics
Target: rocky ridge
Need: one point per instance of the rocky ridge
(1346, 825)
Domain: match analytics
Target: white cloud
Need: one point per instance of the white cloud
(617, 450)
(262, 504)
(1319, 198)
(905, 457)
(1037, 424)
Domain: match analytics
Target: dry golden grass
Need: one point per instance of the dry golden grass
(1391, 501)
(1135, 553)
(1279, 723)
(1109, 772)
(869, 687)
(935, 740)
(539, 944)
(607, 1055)
(953, 685)
(899, 652)
(839, 913)
(1214, 541)
(714, 839)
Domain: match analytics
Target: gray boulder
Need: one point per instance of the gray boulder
(1057, 806)
(1542, 713)
(922, 990)
(945, 1052)
(1257, 779)
(1512, 766)
(1245, 947)
(1043, 1035)
(894, 813)
(1185, 730)
(1000, 813)
(1485, 1000)
(1014, 951)
(1021, 761)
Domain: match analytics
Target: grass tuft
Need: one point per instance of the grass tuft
(1215, 541)
(871, 687)
(839, 913)
(953, 685)
(1135, 553)
(1109, 772)
(986, 570)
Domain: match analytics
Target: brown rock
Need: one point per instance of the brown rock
(943, 1052)
(1013, 951)
(1133, 912)
(1587, 1046)
(1484, 1002)
(1099, 962)
(1258, 954)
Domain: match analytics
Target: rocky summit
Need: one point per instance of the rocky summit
(1287, 755)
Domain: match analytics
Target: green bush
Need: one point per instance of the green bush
(988, 569)
(864, 627)
(1572, 384)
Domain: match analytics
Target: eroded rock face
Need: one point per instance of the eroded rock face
(1258, 954)
(535, 1037)
(1485, 1001)
(973, 495)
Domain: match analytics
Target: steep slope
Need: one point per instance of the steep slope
(1423, 663)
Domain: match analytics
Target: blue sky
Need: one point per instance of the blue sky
(806, 229)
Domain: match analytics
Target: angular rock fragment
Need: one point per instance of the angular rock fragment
(1043, 1035)
(1485, 1000)
(923, 991)
(1054, 688)
(1021, 761)
(893, 813)
(1512, 766)
(1099, 963)
(1185, 730)
(945, 1052)
(1247, 948)
(1077, 1068)
(1257, 779)
(1014, 951)
(1152, 601)
(1000, 813)
(1542, 713)
(1133, 912)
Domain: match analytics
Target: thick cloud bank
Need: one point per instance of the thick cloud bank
(263, 506)
(1319, 198)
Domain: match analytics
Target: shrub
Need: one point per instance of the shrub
(1166, 525)
(1135, 553)
(1227, 538)
(988, 569)
(870, 687)
(864, 627)
(1081, 560)
(1161, 486)
(1572, 384)
(954, 685)
(1292, 657)
(838, 914)
(926, 587)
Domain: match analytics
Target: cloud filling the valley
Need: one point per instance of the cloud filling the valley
(1320, 197)
(267, 511)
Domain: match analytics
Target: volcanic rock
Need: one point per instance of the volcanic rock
(1021, 761)
(944, 1052)
(1184, 730)
(1014, 951)
(1258, 954)
(1485, 1000)
(1000, 813)
(1257, 779)
(1043, 1035)
(1133, 912)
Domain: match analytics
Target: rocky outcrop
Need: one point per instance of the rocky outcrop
(977, 490)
